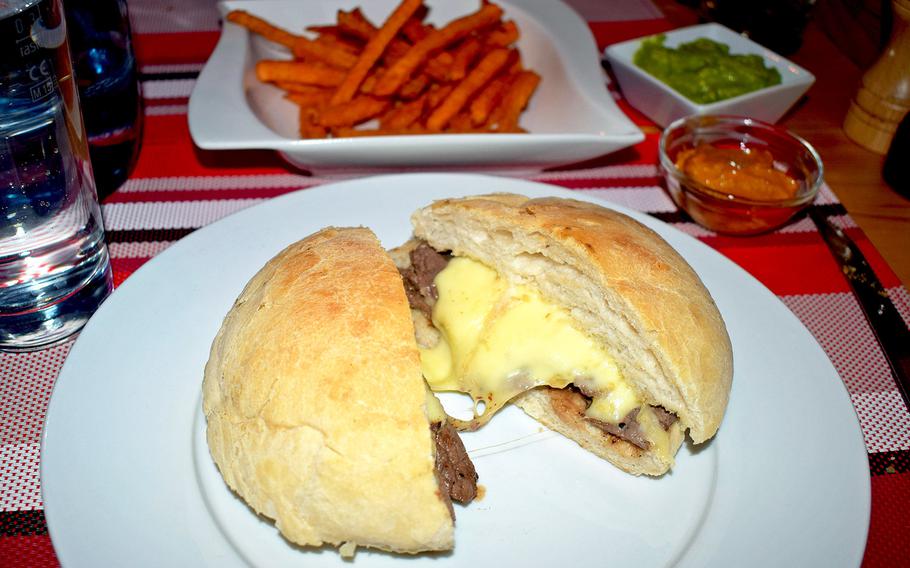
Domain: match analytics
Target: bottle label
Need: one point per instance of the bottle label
(33, 54)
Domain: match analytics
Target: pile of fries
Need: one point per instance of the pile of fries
(408, 76)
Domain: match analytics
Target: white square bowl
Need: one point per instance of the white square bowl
(663, 105)
(571, 117)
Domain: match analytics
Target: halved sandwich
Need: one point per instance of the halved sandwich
(317, 413)
(585, 318)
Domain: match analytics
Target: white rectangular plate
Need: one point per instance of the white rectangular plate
(571, 117)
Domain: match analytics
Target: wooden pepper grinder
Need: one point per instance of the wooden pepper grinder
(884, 95)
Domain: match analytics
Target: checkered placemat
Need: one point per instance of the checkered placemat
(176, 189)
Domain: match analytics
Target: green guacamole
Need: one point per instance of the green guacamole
(703, 70)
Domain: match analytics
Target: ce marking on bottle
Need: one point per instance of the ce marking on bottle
(39, 72)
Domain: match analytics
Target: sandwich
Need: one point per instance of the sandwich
(583, 317)
(317, 414)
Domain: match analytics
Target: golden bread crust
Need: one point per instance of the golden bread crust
(315, 403)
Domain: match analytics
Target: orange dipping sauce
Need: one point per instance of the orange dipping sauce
(748, 173)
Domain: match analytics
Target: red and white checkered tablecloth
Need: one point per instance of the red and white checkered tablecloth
(177, 188)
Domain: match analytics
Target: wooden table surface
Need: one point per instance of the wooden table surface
(851, 171)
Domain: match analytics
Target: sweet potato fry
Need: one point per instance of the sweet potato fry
(353, 112)
(420, 14)
(309, 126)
(343, 43)
(373, 50)
(413, 88)
(299, 72)
(308, 49)
(514, 101)
(334, 38)
(463, 57)
(516, 66)
(331, 29)
(348, 132)
(503, 36)
(437, 94)
(403, 115)
(438, 66)
(301, 87)
(262, 27)
(315, 99)
(487, 99)
(461, 122)
(370, 82)
(403, 68)
(485, 70)
(396, 50)
(414, 29)
(355, 24)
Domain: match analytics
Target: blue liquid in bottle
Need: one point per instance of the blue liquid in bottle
(105, 69)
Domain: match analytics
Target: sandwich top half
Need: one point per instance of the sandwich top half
(317, 413)
(585, 318)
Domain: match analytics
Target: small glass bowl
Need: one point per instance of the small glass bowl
(730, 214)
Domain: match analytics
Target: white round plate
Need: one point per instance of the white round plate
(127, 479)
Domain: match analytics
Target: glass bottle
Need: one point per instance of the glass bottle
(107, 77)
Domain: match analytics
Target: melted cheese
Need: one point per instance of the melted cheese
(435, 412)
(654, 432)
(499, 340)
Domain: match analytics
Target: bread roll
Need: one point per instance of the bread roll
(624, 286)
(315, 405)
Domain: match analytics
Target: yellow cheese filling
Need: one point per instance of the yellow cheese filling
(499, 340)
(435, 411)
